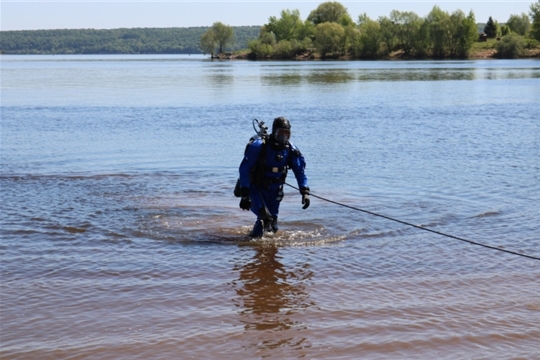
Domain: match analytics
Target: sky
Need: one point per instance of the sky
(107, 14)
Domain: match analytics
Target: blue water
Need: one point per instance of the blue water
(121, 237)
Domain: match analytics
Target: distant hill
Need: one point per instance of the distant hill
(115, 41)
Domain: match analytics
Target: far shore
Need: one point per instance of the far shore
(309, 55)
(397, 55)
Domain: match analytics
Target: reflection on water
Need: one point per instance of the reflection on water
(438, 74)
(219, 79)
(337, 76)
(270, 295)
(331, 77)
(340, 76)
(285, 79)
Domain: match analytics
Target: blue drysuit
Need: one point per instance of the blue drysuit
(263, 171)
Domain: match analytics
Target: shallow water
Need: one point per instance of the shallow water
(120, 236)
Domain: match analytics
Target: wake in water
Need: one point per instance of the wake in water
(226, 229)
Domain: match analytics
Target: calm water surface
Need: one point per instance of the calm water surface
(121, 239)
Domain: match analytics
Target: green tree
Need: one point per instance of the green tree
(408, 26)
(331, 11)
(352, 42)
(370, 37)
(491, 29)
(438, 23)
(470, 33)
(208, 42)
(520, 24)
(329, 38)
(464, 33)
(388, 33)
(223, 35)
(535, 16)
(288, 27)
(307, 31)
(421, 45)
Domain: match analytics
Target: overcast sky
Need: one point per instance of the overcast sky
(75, 14)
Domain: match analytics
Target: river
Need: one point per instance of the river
(121, 238)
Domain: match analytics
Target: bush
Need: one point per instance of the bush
(510, 47)
(284, 49)
(260, 50)
(531, 43)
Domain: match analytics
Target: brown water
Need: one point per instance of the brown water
(120, 237)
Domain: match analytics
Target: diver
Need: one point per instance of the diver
(263, 171)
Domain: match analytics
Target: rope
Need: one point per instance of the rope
(421, 227)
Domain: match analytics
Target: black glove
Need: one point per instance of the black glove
(305, 197)
(245, 202)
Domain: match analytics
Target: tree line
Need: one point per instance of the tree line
(330, 32)
(115, 41)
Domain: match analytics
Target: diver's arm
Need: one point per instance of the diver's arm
(251, 156)
(298, 166)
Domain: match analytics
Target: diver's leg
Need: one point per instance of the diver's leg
(257, 230)
(273, 201)
(257, 207)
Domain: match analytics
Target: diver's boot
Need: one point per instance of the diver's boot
(258, 229)
(273, 225)
(267, 224)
